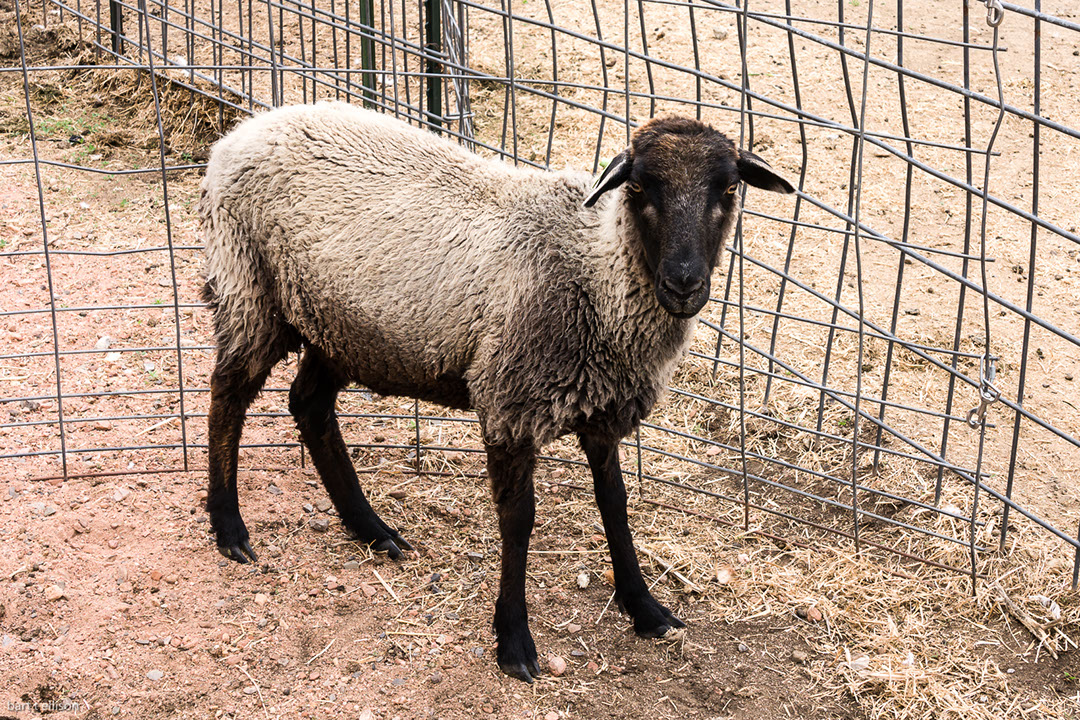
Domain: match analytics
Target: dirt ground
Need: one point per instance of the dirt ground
(112, 597)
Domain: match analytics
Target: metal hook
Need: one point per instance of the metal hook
(995, 12)
(988, 393)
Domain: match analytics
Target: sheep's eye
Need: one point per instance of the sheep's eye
(731, 190)
(633, 187)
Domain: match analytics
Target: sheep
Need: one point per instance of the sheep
(402, 262)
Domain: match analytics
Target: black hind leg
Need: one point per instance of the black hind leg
(232, 388)
(311, 401)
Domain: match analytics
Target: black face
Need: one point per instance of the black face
(682, 221)
(680, 183)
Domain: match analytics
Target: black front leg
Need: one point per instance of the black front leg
(651, 619)
(511, 473)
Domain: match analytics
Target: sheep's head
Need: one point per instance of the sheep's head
(679, 181)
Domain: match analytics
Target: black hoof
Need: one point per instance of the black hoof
(232, 537)
(517, 655)
(651, 619)
(380, 536)
(389, 547)
(240, 553)
(521, 671)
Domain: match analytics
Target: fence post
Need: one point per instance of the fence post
(116, 25)
(433, 48)
(367, 51)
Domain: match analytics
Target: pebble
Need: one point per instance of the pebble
(351, 565)
(323, 505)
(320, 525)
(557, 665)
(436, 678)
(398, 494)
(573, 628)
(155, 575)
(577, 653)
(261, 598)
(103, 343)
(368, 590)
(155, 675)
(799, 656)
(121, 494)
(274, 490)
(308, 508)
(54, 592)
(743, 647)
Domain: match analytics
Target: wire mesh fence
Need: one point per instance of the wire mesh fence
(889, 356)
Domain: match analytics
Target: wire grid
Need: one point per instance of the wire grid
(801, 400)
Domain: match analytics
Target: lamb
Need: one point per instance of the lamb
(402, 262)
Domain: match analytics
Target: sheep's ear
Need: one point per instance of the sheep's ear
(614, 175)
(758, 173)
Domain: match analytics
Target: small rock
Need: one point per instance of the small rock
(573, 628)
(250, 690)
(112, 357)
(261, 598)
(814, 615)
(478, 651)
(724, 574)
(719, 34)
(436, 678)
(583, 580)
(552, 716)
(743, 647)
(320, 525)
(274, 490)
(475, 556)
(444, 639)
(799, 656)
(48, 510)
(398, 494)
(557, 665)
(577, 653)
(609, 576)
(155, 675)
(368, 590)
(54, 592)
(309, 508)
(102, 425)
(351, 565)
(155, 575)
(121, 494)
(323, 505)
(103, 343)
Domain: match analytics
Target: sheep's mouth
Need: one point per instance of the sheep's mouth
(683, 307)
